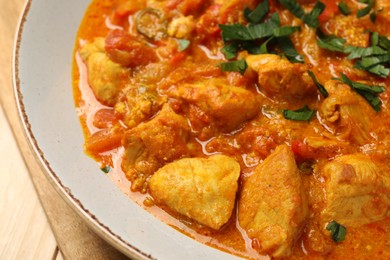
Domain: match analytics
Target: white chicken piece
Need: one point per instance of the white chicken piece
(105, 77)
(279, 77)
(151, 144)
(346, 114)
(201, 189)
(357, 191)
(229, 105)
(273, 208)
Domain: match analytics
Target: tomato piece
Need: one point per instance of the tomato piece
(331, 9)
(102, 141)
(122, 12)
(302, 151)
(208, 23)
(104, 118)
(177, 58)
(126, 50)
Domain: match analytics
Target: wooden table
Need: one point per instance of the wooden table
(35, 222)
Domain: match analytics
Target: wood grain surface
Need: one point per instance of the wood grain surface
(27, 231)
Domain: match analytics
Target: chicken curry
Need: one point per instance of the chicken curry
(259, 127)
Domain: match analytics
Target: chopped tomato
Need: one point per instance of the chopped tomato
(104, 118)
(330, 10)
(302, 151)
(126, 50)
(177, 58)
(102, 141)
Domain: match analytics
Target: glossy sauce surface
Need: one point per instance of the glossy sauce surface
(249, 142)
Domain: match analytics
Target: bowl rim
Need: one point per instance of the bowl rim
(88, 217)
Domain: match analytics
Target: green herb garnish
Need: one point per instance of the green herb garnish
(258, 14)
(319, 86)
(106, 169)
(230, 50)
(337, 231)
(250, 32)
(368, 92)
(367, 9)
(285, 31)
(234, 66)
(289, 51)
(311, 18)
(344, 9)
(330, 42)
(359, 52)
(183, 44)
(302, 114)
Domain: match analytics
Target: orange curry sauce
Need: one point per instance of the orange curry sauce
(253, 140)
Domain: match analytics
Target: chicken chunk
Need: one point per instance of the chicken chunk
(138, 104)
(382, 17)
(105, 77)
(272, 208)
(279, 77)
(357, 191)
(229, 105)
(346, 114)
(201, 189)
(152, 144)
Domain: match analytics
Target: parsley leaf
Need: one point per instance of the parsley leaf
(359, 52)
(250, 32)
(258, 14)
(311, 18)
(344, 9)
(285, 31)
(106, 169)
(319, 86)
(230, 50)
(234, 66)
(183, 44)
(337, 231)
(293, 7)
(368, 92)
(302, 114)
(367, 9)
(289, 51)
(330, 42)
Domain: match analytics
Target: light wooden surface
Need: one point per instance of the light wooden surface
(26, 232)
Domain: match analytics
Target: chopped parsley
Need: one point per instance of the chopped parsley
(368, 92)
(289, 51)
(106, 169)
(343, 8)
(366, 10)
(183, 44)
(374, 59)
(330, 42)
(230, 50)
(337, 231)
(258, 14)
(311, 18)
(235, 66)
(255, 38)
(319, 86)
(302, 114)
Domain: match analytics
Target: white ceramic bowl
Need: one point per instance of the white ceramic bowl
(43, 88)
